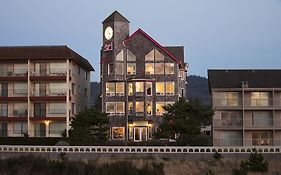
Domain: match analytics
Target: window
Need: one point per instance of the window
(56, 129)
(139, 87)
(4, 109)
(262, 119)
(74, 68)
(159, 108)
(160, 88)
(131, 68)
(120, 108)
(3, 130)
(3, 89)
(130, 56)
(148, 88)
(57, 108)
(158, 56)
(230, 99)
(110, 108)
(85, 92)
(118, 133)
(78, 89)
(60, 68)
(110, 69)
(86, 75)
(130, 107)
(149, 68)
(149, 108)
(20, 69)
(159, 68)
(170, 88)
(39, 109)
(4, 70)
(120, 88)
(73, 89)
(119, 56)
(230, 119)
(139, 106)
(20, 110)
(260, 98)
(110, 89)
(150, 56)
(231, 138)
(73, 108)
(154, 55)
(20, 128)
(56, 89)
(262, 138)
(169, 68)
(20, 88)
(40, 130)
(131, 89)
(119, 68)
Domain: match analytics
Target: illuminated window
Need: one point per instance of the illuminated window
(159, 68)
(149, 68)
(120, 108)
(130, 107)
(160, 88)
(158, 56)
(130, 56)
(118, 133)
(148, 88)
(139, 86)
(230, 99)
(149, 108)
(170, 88)
(169, 68)
(159, 108)
(131, 89)
(120, 88)
(110, 69)
(139, 106)
(119, 56)
(119, 68)
(110, 108)
(259, 98)
(150, 56)
(154, 55)
(110, 89)
(131, 68)
(262, 138)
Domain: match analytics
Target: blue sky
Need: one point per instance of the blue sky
(215, 33)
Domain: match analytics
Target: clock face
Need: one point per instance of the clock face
(108, 33)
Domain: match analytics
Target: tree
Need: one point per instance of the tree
(89, 127)
(184, 118)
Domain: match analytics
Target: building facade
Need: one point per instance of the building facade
(41, 89)
(247, 105)
(139, 77)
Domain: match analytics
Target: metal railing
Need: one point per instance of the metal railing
(48, 92)
(49, 72)
(13, 92)
(140, 149)
(13, 73)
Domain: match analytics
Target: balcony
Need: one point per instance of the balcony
(259, 123)
(48, 95)
(52, 74)
(13, 75)
(13, 95)
(258, 103)
(228, 124)
(227, 103)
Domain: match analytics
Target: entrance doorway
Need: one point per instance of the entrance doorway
(140, 134)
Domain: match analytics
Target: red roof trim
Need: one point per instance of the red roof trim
(151, 39)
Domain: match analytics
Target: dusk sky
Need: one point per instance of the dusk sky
(215, 33)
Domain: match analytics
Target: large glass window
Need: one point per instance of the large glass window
(130, 56)
(262, 119)
(149, 68)
(260, 98)
(119, 68)
(56, 128)
(4, 109)
(118, 133)
(159, 108)
(120, 108)
(119, 56)
(3, 89)
(262, 138)
(20, 128)
(20, 88)
(149, 108)
(110, 107)
(110, 89)
(230, 119)
(160, 88)
(131, 68)
(231, 138)
(3, 130)
(169, 68)
(131, 89)
(230, 99)
(39, 109)
(170, 88)
(139, 106)
(20, 110)
(148, 88)
(58, 68)
(58, 89)
(159, 68)
(150, 56)
(40, 130)
(120, 88)
(158, 56)
(57, 108)
(139, 86)
(20, 69)
(154, 55)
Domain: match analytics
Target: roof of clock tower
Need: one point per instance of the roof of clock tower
(115, 16)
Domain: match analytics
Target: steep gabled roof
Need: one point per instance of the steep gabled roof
(152, 40)
(43, 52)
(115, 16)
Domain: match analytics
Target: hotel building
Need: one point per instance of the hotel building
(139, 76)
(41, 89)
(247, 105)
